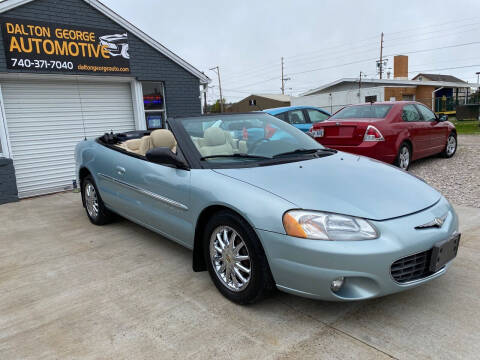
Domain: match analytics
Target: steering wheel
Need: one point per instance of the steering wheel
(258, 142)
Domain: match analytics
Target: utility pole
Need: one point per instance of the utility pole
(283, 83)
(205, 89)
(380, 64)
(217, 69)
(360, 86)
(283, 79)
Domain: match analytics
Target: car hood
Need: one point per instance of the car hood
(342, 183)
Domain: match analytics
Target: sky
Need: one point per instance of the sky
(321, 41)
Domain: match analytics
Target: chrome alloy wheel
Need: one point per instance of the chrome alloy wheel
(230, 258)
(91, 200)
(404, 157)
(451, 145)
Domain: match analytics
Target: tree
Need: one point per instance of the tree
(215, 108)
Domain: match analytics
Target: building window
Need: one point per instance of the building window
(408, 97)
(154, 104)
(371, 99)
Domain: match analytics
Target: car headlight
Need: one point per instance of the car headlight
(327, 226)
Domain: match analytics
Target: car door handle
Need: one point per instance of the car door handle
(120, 170)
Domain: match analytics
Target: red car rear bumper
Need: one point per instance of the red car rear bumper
(373, 149)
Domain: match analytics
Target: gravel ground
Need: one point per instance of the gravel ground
(458, 178)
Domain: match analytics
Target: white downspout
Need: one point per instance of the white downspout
(433, 97)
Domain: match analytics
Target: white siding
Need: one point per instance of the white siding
(339, 99)
(46, 119)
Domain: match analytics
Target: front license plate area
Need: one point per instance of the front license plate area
(444, 251)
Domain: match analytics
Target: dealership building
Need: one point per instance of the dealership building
(74, 69)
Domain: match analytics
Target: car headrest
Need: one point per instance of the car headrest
(215, 136)
(163, 138)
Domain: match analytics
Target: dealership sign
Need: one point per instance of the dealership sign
(35, 46)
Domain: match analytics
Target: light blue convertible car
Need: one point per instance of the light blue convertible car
(280, 211)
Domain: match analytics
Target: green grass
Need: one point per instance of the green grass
(466, 126)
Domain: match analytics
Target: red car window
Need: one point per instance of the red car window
(427, 114)
(410, 113)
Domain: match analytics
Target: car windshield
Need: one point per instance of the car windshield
(373, 111)
(250, 137)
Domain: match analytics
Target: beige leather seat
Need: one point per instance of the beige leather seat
(132, 145)
(145, 145)
(216, 142)
(158, 138)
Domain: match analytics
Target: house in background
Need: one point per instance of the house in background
(441, 93)
(256, 102)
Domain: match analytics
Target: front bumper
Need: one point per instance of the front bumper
(307, 267)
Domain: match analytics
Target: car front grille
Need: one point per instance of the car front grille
(412, 267)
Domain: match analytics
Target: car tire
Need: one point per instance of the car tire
(450, 146)
(404, 156)
(97, 213)
(237, 263)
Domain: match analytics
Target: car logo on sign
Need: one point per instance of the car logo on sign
(437, 222)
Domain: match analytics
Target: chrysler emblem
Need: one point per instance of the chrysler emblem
(437, 222)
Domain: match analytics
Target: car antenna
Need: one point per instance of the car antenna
(81, 111)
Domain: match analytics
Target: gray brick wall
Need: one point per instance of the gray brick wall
(8, 183)
(181, 87)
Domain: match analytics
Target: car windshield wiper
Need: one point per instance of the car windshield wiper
(304, 151)
(236, 155)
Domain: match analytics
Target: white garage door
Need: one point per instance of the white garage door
(46, 119)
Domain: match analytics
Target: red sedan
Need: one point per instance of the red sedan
(394, 132)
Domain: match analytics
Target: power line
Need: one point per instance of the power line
(419, 71)
(314, 62)
(323, 57)
(349, 53)
(442, 36)
(388, 44)
(365, 60)
(435, 32)
(249, 92)
(387, 33)
(438, 48)
(443, 23)
(258, 82)
(404, 52)
(447, 68)
(443, 62)
(324, 49)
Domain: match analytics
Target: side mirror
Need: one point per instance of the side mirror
(163, 155)
(443, 117)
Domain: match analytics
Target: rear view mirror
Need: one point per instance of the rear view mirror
(443, 117)
(165, 156)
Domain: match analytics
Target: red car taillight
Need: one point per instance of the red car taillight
(373, 134)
